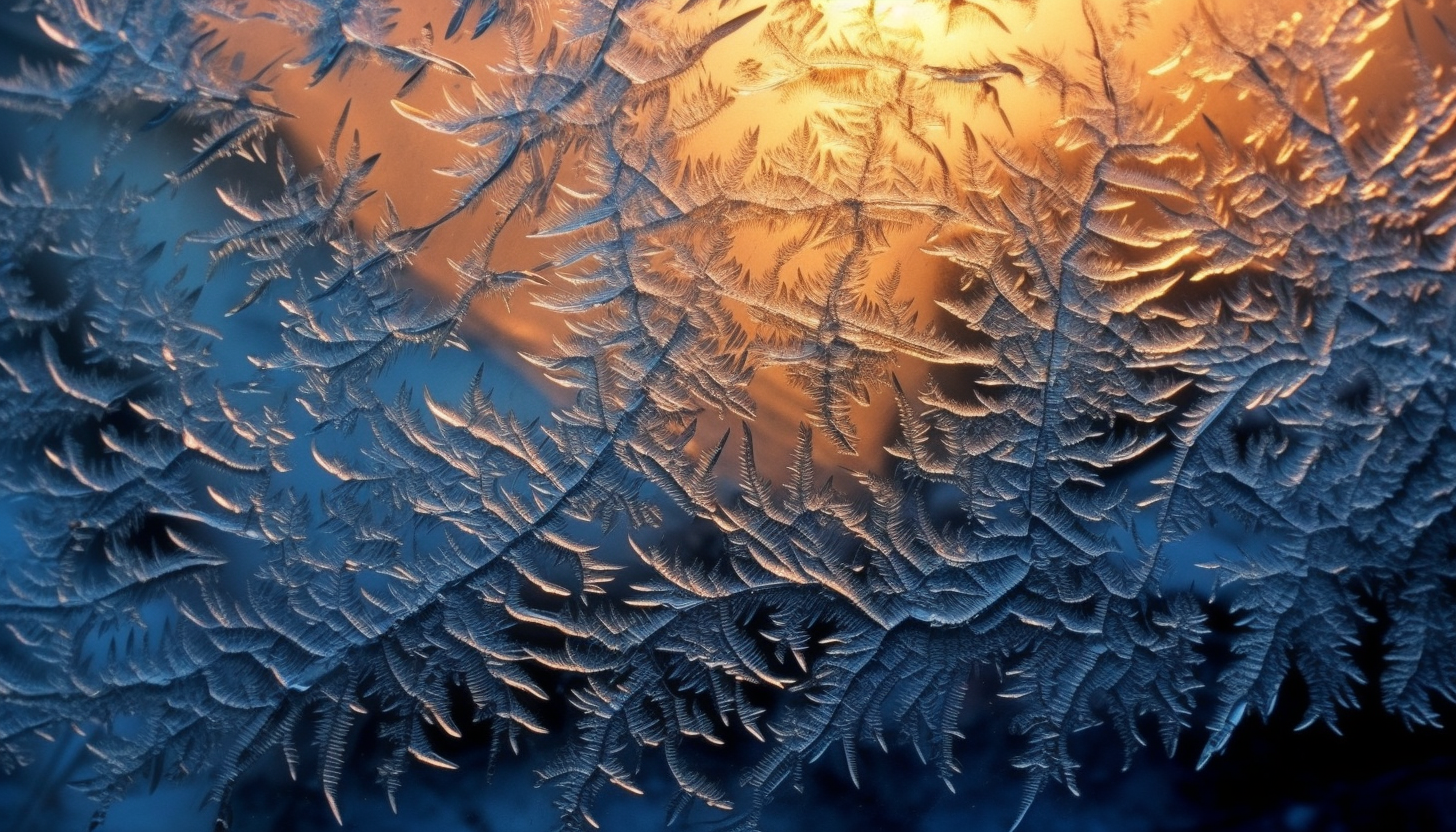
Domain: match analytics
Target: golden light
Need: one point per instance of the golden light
(890, 18)
(912, 90)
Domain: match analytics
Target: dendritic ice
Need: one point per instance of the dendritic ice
(716, 384)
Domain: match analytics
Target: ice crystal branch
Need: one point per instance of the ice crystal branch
(1056, 362)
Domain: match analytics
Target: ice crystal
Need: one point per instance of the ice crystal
(825, 358)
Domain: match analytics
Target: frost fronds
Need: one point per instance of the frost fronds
(589, 363)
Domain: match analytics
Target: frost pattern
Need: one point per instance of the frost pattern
(1163, 320)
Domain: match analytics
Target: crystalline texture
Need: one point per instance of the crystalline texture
(1063, 319)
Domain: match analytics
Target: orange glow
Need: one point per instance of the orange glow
(895, 19)
(901, 97)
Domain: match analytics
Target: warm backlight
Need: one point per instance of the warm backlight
(847, 129)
